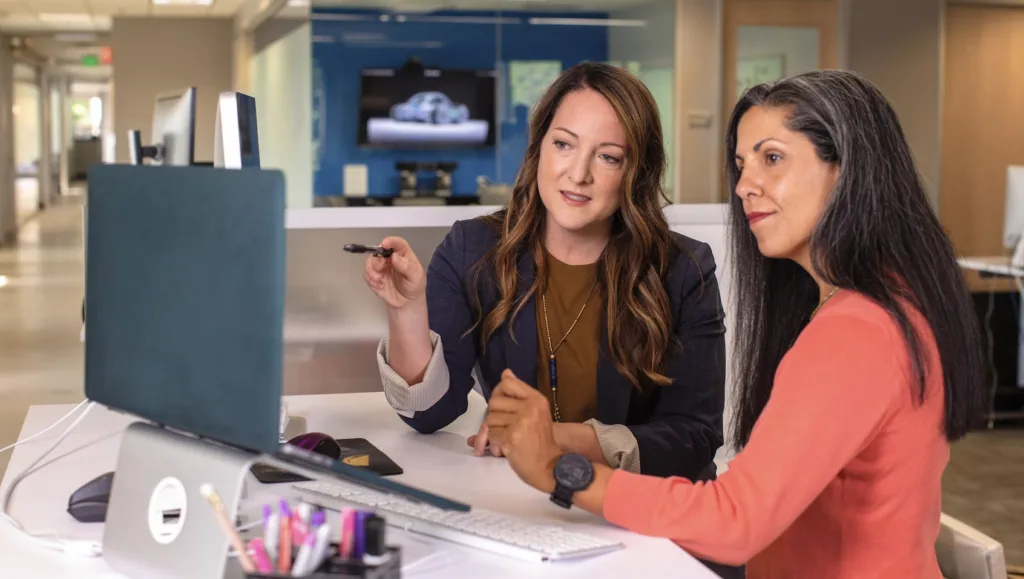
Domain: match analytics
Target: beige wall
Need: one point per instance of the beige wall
(281, 80)
(243, 52)
(699, 126)
(649, 51)
(898, 46)
(981, 128)
(154, 55)
(7, 208)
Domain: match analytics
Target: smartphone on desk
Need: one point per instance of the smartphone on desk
(357, 452)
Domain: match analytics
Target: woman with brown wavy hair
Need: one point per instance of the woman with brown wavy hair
(578, 287)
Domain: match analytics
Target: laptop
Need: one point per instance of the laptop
(185, 278)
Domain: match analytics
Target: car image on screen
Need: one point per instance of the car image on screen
(430, 107)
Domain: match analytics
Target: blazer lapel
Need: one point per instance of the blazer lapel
(521, 352)
(613, 390)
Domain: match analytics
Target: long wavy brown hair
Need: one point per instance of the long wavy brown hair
(638, 315)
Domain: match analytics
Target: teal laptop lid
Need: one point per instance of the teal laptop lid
(184, 306)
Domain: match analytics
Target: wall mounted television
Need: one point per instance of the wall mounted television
(422, 107)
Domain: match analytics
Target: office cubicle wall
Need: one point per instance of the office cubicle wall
(333, 322)
(707, 223)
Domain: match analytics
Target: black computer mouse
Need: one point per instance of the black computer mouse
(89, 503)
(319, 443)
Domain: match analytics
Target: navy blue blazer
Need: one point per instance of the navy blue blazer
(678, 427)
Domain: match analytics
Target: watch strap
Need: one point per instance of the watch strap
(562, 496)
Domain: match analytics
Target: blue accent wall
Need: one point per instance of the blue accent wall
(347, 41)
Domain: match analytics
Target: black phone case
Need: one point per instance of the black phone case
(380, 463)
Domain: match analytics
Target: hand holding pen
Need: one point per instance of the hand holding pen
(399, 279)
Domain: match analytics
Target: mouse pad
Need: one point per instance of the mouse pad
(354, 452)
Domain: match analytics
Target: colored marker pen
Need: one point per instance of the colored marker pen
(284, 551)
(303, 559)
(300, 523)
(305, 563)
(359, 530)
(347, 532)
(320, 547)
(376, 545)
(259, 555)
(271, 530)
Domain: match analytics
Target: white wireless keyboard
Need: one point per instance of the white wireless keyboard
(480, 529)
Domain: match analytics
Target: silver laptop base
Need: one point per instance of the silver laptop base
(158, 525)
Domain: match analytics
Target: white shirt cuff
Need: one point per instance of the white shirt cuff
(618, 445)
(406, 399)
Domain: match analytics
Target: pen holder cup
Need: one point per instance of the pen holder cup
(337, 567)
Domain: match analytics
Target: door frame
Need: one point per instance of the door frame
(828, 16)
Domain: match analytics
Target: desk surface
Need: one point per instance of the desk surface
(997, 265)
(440, 463)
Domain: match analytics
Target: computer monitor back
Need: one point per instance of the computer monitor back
(185, 270)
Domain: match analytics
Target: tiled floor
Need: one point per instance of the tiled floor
(40, 317)
(41, 363)
(984, 487)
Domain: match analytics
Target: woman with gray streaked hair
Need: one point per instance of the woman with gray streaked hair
(857, 355)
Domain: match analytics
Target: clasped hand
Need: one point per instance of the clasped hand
(519, 423)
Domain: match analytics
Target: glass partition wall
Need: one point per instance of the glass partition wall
(427, 102)
(412, 105)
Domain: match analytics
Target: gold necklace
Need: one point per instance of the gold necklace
(828, 297)
(552, 366)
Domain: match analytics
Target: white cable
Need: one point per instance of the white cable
(45, 430)
(73, 546)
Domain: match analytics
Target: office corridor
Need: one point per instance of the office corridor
(41, 362)
(41, 290)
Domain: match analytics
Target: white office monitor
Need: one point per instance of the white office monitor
(1013, 220)
(174, 121)
(236, 142)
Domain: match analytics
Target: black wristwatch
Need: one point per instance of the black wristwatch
(573, 473)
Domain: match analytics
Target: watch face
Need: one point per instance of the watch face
(574, 472)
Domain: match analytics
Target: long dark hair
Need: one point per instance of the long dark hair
(638, 313)
(878, 236)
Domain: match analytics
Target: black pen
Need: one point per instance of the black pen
(374, 249)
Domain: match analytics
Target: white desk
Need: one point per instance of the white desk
(1001, 266)
(996, 265)
(440, 463)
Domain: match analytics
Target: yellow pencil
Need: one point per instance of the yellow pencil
(218, 510)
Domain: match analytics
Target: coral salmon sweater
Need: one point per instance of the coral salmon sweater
(841, 477)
